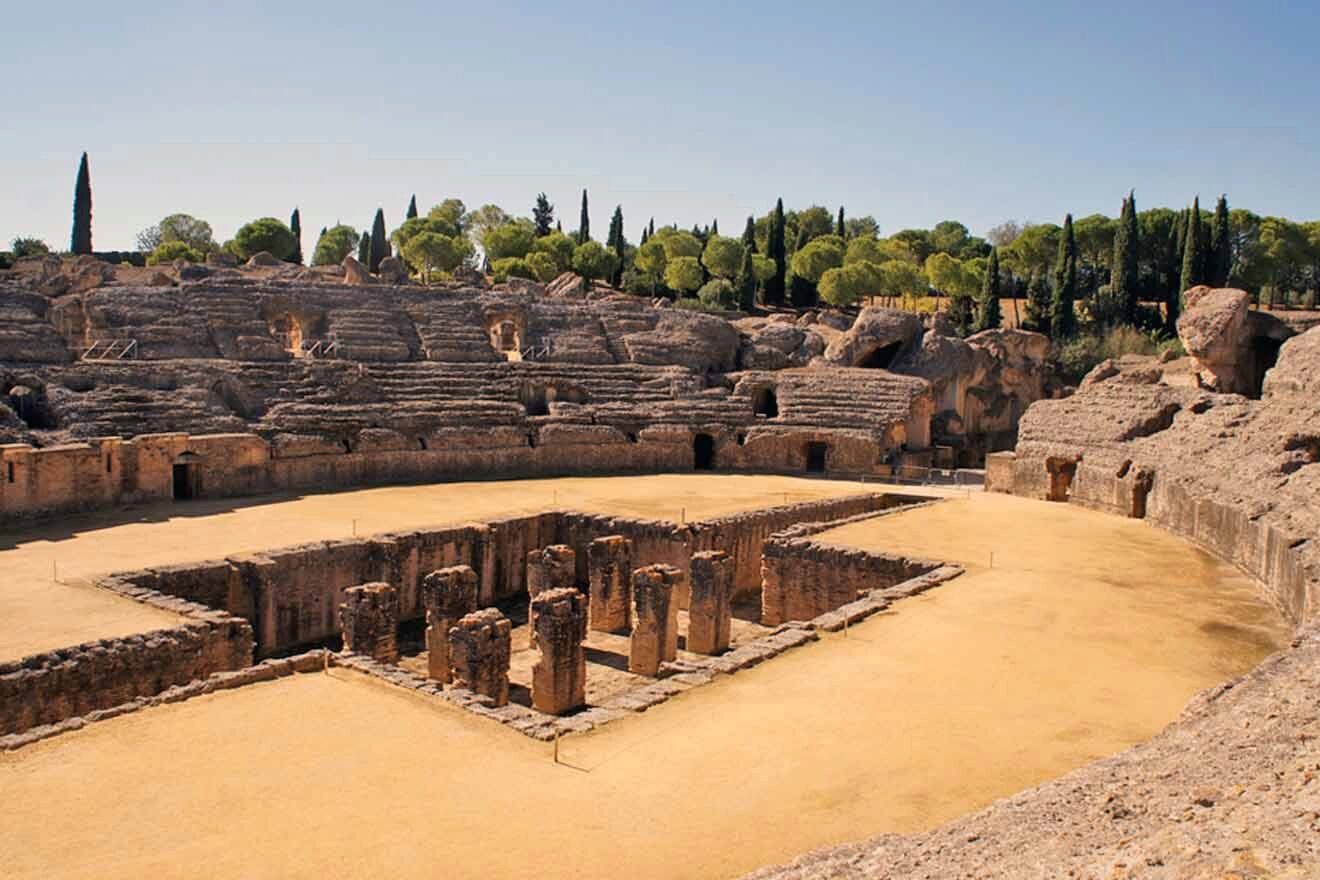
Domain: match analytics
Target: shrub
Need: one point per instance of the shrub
(1079, 355)
(544, 266)
(512, 267)
(266, 234)
(27, 246)
(718, 294)
(169, 251)
(334, 244)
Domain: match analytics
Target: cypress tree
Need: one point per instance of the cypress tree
(1063, 319)
(1193, 249)
(1040, 300)
(324, 230)
(841, 230)
(412, 207)
(543, 212)
(380, 243)
(559, 226)
(960, 312)
(1123, 271)
(617, 243)
(1221, 247)
(745, 283)
(1175, 252)
(749, 236)
(644, 235)
(715, 226)
(774, 287)
(81, 242)
(651, 227)
(364, 248)
(295, 226)
(584, 222)
(802, 293)
(988, 315)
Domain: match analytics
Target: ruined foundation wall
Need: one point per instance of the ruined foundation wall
(803, 579)
(50, 687)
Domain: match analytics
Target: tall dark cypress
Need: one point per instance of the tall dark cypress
(802, 292)
(1123, 271)
(774, 287)
(988, 314)
(380, 243)
(1220, 262)
(645, 236)
(584, 222)
(412, 208)
(749, 236)
(840, 230)
(1193, 249)
(81, 242)
(1040, 299)
(364, 248)
(617, 244)
(1063, 317)
(295, 226)
(745, 282)
(651, 227)
(715, 226)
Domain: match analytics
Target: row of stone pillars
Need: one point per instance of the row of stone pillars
(471, 649)
(642, 601)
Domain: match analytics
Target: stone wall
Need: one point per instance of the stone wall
(48, 688)
(804, 579)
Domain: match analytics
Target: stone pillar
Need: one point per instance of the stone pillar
(479, 647)
(369, 618)
(711, 610)
(551, 568)
(655, 618)
(447, 594)
(559, 676)
(609, 562)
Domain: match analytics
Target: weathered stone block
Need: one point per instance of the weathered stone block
(559, 676)
(551, 568)
(655, 618)
(447, 595)
(610, 565)
(479, 649)
(710, 611)
(369, 618)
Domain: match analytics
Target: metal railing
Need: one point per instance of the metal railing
(111, 350)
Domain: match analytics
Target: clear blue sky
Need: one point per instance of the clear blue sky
(911, 112)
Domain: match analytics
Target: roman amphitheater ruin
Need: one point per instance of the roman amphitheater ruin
(306, 572)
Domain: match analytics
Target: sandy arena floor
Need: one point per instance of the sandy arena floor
(1089, 634)
(37, 614)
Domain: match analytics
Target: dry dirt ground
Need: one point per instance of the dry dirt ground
(37, 614)
(1089, 634)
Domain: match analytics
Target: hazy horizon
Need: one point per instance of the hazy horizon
(681, 113)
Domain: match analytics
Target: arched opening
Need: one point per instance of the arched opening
(31, 406)
(421, 443)
(881, 357)
(817, 453)
(288, 331)
(764, 403)
(187, 476)
(1061, 472)
(703, 452)
(535, 402)
(1264, 355)
(741, 439)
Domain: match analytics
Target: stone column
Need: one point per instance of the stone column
(655, 618)
(551, 568)
(369, 618)
(559, 676)
(479, 648)
(609, 562)
(447, 594)
(711, 610)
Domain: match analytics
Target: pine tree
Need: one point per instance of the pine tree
(749, 236)
(295, 226)
(1221, 247)
(1193, 249)
(988, 315)
(364, 248)
(745, 283)
(1123, 271)
(1063, 318)
(412, 208)
(802, 293)
(584, 222)
(840, 230)
(82, 210)
(380, 243)
(543, 213)
(1039, 303)
(774, 287)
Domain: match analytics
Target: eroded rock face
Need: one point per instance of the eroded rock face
(355, 272)
(393, 271)
(878, 338)
(567, 284)
(1215, 331)
(699, 342)
(262, 258)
